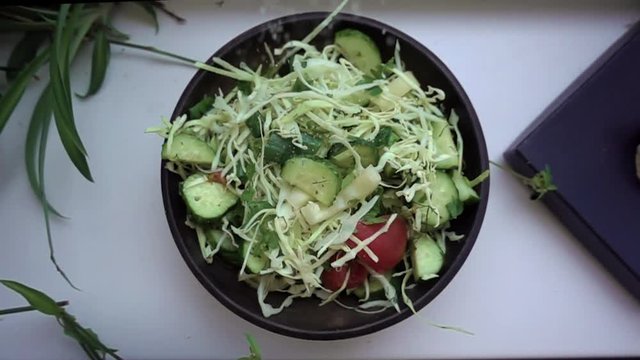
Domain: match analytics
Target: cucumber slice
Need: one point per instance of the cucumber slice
(443, 193)
(206, 200)
(348, 179)
(386, 137)
(444, 196)
(359, 49)
(279, 149)
(229, 252)
(214, 237)
(446, 148)
(255, 262)
(188, 148)
(426, 257)
(318, 178)
(201, 107)
(344, 158)
(466, 194)
(398, 87)
(254, 123)
(375, 287)
(313, 144)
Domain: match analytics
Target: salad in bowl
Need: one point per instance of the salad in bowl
(329, 172)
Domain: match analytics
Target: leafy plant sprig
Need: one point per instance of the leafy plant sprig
(86, 338)
(39, 301)
(539, 184)
(54, 36)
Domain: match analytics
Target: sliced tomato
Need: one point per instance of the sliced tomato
(333, 278)
(389, 246)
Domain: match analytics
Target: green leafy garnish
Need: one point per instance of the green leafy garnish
(539, 184)
(86, 338)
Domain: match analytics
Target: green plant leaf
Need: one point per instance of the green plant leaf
(24, 52)
(81, 27)
(42, 113)
(11, 98)
(99, 62)
(114, 33)
(254, 349)
(42, 151)
(59, 72)
(39, 300)
(86, 337)
(151, 10)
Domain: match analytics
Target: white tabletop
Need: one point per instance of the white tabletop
(527, 289)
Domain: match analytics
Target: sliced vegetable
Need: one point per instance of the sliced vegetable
(375, 287)
(201, 107)
(363, 185)
(254, 123)
(386, 137)
(359, 49)
(318, 178)
(206, 200)
(256, 262)
(334, 278)
(279, 149)
(389, 246)
(443, 193)
(426, 257)
(398, 87)
(343, 157)
(466, 194)
(446, 151)
(189, 149)
(217, 238)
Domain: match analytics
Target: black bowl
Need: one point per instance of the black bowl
(304, 319)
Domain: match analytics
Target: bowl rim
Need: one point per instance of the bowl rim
(424, 299)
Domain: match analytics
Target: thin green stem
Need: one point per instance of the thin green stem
(39, 10)
(153, 50)
(27, 308)
(519, 176)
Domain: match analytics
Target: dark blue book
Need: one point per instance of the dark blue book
(588, 136)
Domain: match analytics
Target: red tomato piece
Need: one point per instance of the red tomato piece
(333, 278)
(389, 247)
